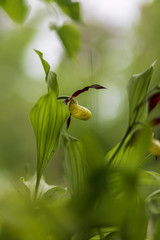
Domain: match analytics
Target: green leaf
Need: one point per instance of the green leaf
(47, 118)
(149, 178)
(45, 64)
(48, 193)
(137, 89)
(111, 236)
(51, 77)
(155, 194)
(95, 233)
(17, 10)
(130, 157)
(156, 228)
(74, 165)
(70, 37)
(71, 9)
(51, 80)
(23, 189)
(153, 201)
(54, 194)
(111, 153)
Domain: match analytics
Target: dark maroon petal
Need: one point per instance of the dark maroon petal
(153, 101)
(156, 157)
(66, 101)
(96, 86)
(68, 121)
(155, 122)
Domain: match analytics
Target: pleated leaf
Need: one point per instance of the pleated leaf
(132, 154)
(137, 89)
(47, 118)
(75, 167)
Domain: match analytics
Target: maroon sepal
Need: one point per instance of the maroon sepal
(68, 121)
(153, 101)
(156, 158)
(96, 86)
(154, 122)
(66, 101)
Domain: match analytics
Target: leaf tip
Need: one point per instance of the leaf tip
(153, 64)
(37, 51)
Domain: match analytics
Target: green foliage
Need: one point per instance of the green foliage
(71, 9)
(68, 33)
(70, 37)
(51, 80)
(75, 167)
(47, 118)
(46, 193)
(54, 194)
(138, 95)
(17, 10)
(51, 77)
(44, 62)
(137, 90)
(149, 178)
(130, 157)
(105, 199)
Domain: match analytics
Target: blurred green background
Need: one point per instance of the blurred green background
(109, 55)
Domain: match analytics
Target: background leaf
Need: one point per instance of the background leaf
(47, 118)
(17, 10)
(70, 37)
(71, 9)
(74, 165)
(149, 178)
(137, 89)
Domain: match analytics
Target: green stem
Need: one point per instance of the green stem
(37, 187)
(120, 145)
